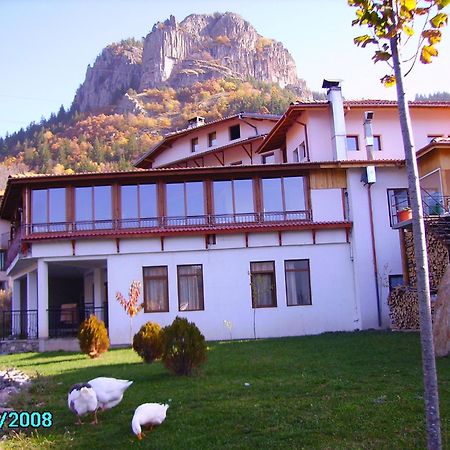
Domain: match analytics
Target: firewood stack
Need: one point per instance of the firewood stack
(403, 302)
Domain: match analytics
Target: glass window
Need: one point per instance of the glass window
(235, 132)
(294, 194)
(243, 196)
(298, 288)
(194, 144)
(190, 288)
(57, 205)
(398, 200)
(194, 199)
(175, 199)
(295, 155)
(138, 205)
(394, 281)
(223, 197)
(148, 205)
(83, 204)
(102, 203)
(129, 202)
(39, 206)
(156, 293)
(352, 143)
(212, 139)
(262, 275)
(377, 143)
(272, 196)
(268, 159)
(48, 206)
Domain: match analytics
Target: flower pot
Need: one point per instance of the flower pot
(403, 215)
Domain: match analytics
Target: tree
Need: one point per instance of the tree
(391, 24)
(131, 305)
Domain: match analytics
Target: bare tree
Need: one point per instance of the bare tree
(391, 25)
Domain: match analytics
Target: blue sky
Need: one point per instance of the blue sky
(46, 45)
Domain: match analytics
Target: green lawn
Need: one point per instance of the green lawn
(333, 391)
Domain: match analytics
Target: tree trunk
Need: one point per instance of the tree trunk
(423, 289)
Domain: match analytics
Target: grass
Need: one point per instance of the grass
(333, 391)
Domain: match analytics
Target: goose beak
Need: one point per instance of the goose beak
(139, 436)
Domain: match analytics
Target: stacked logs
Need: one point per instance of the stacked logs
(403, 301)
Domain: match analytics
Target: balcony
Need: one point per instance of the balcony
(155, 225)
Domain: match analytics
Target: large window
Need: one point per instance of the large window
(93, 207)
(190, 287)
(185, 203)
(283, 198)
(156, 293)
(138, 205)
(48, 210)
(298, 288)
(263, 285)
(233, 201)
(398, 200)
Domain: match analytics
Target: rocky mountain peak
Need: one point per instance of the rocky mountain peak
(178, 54)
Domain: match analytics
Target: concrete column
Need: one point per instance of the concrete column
(98, 287)
(15, 302)
(32, 297)
(42, 299)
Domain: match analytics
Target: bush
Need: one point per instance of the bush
(93, 337)
(147, 342)
(184, 347)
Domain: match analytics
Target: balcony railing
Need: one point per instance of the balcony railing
(19, 324)
(65, 321)
(207, 221)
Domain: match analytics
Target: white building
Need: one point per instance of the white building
(277, 227)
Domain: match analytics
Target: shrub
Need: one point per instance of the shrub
(184, 347)
(93, 337)
(147, 342)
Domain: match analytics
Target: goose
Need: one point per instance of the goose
(109, 391)
(82, 400)
(148, 415)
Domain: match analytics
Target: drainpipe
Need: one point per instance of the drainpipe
(248, 123)
(306, 138)
(369, 178)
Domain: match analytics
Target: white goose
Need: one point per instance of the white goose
(109, 391)
(82, 400)
(148, 415)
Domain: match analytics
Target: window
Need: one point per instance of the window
(352, 143)
(212, 139)
(394, 281)
(285, 195)
(138, 205)
(234, 199)
(268, 159)
(295, 155)
(235, 132)
(299, 154)
(398, 200)
(2, 261)
(93, 207)
(194, 144)
(190, 288)
(377, 143)
(184, 200)
(262, 280)
(156, 292)
(298, 287)
(48, 207)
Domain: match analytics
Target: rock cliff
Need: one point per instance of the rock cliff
(178, 54)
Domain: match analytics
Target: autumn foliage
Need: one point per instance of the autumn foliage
(93, 337)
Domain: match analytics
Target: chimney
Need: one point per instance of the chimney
(339, 135)
(196, 122)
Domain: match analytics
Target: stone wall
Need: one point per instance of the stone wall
(19, 346)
